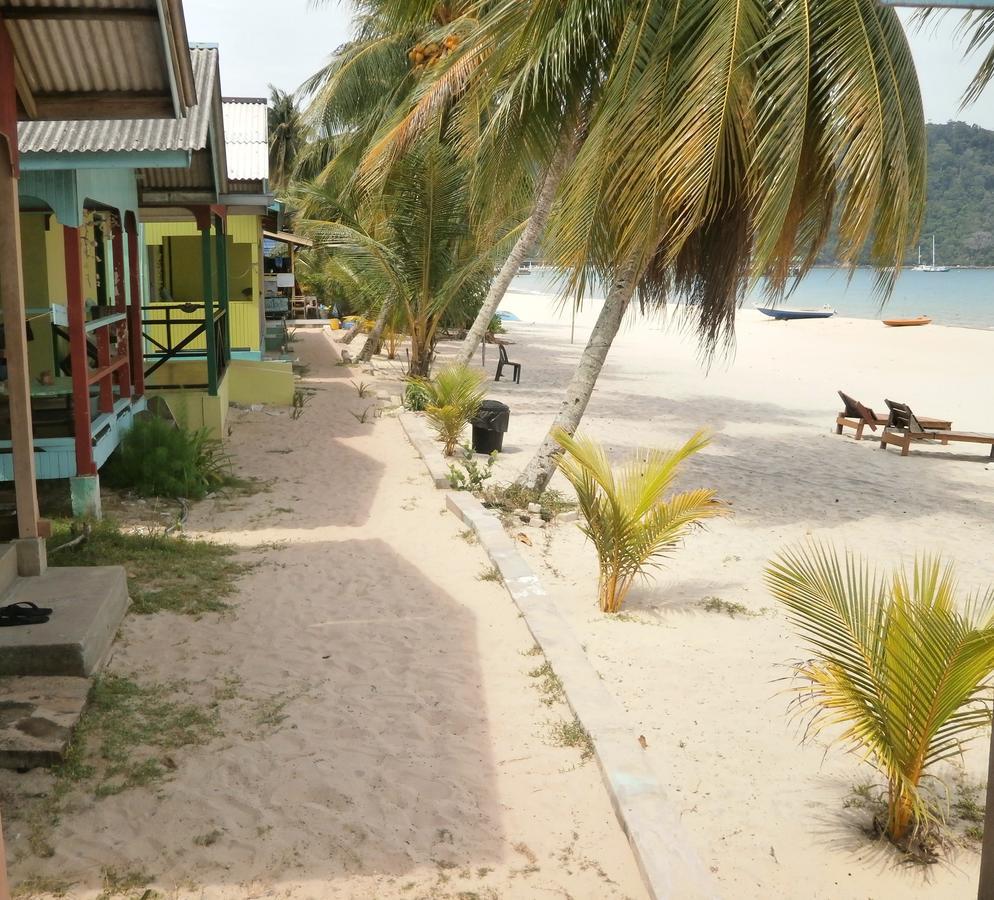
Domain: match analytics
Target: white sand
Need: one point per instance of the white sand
(413, 760)
(768, 814)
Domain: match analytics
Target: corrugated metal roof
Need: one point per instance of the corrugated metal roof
(246, 138)
(99, 135)
(105, 56)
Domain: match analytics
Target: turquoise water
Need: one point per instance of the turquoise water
(960, 297)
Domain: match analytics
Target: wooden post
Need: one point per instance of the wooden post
(123, 375)
(78, 354)
(135, 340)
(208, 287)
(222, 283)
(18, 376)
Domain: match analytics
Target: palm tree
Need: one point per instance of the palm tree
(900, 664)
(725, 141)
(409, 245)
(287, 136)
(626, 514)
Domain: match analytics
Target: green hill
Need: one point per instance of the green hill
(960, 197)
(961, 194)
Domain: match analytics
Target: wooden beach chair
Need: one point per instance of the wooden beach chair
(905, 427)
(855, 415)
(504, 361)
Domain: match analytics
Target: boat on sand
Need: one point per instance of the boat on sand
(785, 314)
(907, 323)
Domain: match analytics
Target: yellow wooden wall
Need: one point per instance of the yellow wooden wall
(181, 242)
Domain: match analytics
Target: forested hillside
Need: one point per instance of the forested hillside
(960, 197)
(960, 194)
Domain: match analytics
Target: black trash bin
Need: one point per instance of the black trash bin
(489, 425)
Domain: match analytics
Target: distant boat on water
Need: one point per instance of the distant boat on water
(932, 268)
(784, 314)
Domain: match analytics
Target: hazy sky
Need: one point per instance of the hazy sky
(270, 42)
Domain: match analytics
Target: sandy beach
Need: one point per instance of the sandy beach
(379, 734)
(705, 688)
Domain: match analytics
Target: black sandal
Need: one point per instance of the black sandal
(23, 612)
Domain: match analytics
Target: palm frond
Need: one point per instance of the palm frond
(899, 666)
(626, 514)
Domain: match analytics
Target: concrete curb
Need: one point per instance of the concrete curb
(668, 862)
(427, 447)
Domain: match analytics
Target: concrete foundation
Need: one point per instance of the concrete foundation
(32, 558)
(84, 491)
(87, 605)
(37, 717)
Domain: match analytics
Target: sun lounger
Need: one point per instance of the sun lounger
(904, 428)
(856, 415)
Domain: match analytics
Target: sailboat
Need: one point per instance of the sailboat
(933, 267)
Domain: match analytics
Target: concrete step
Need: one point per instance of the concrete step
(8, 566)
(37, 717)
(88, 605)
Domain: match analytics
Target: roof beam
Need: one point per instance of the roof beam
(78, 13)
(100, 105)
(24, 91)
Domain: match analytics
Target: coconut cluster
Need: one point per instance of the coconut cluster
(429, 53)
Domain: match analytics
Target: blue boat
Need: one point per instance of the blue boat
(507, 316)
(784, 314)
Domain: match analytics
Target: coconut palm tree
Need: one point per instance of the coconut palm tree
(410, 245)
(899, 664)
(725, 141)
(287, 136)
(626, 513)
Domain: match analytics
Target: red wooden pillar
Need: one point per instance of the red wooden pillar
(77, 354)
(135, 309)
(123, 375)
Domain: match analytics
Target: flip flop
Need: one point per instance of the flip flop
(24, 608)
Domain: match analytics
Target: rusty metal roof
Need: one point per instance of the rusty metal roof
(94, 136)
(103, 59)
(246, 138)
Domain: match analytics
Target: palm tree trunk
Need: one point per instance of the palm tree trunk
(542, 467)
(565, 154)
(353, 334)
(375, 336)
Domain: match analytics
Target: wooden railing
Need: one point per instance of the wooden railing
(185, 331)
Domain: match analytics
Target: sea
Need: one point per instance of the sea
(961, 298)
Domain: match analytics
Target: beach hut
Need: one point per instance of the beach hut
(104, 59)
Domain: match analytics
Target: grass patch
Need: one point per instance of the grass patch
(271, 711)
(118, 882)
(469, 536)
(129, 725)
(209, 838)
(548, 684)
(727, 607)
(573, 734)
(121, 742)
(165, 573)
(506, 498)
(37, 885)
(490, 574)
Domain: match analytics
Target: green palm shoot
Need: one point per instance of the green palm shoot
(452, 398)
(626, 514)
(899, 665)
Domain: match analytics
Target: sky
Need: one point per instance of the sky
(281, 43)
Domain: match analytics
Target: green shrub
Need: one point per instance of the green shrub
(160, 459)
(416, 395)
(454, 397)
(470, 475)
